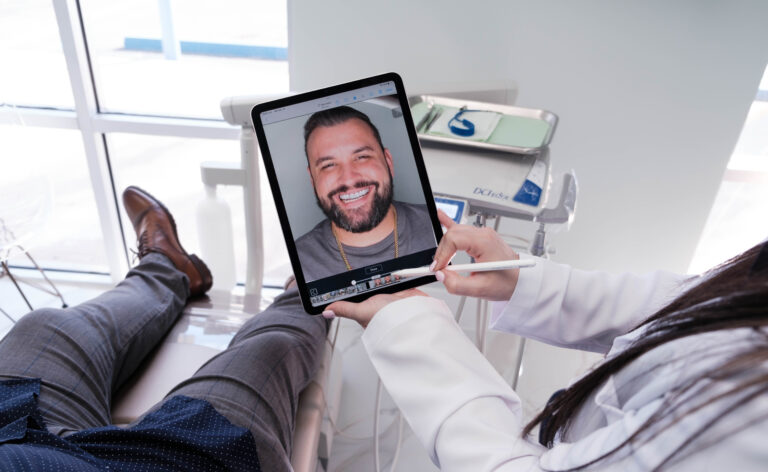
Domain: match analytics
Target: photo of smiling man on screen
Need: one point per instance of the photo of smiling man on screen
(351, 172)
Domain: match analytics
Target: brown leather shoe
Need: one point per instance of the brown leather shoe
(156, 232)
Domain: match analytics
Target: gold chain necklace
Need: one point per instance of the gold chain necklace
(341, 249)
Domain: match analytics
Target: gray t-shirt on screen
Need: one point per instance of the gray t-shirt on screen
(319, 252)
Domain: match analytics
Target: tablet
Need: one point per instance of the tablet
(350, 189)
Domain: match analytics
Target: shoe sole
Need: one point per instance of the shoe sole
(202, 269)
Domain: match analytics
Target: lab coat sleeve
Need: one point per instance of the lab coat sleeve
(577, 309)
(469, 419)
(459, 407)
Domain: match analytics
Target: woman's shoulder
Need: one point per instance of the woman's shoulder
(700, 392)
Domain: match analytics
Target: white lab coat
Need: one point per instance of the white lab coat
(469, 419)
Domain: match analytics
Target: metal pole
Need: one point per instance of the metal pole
(171, 45)
(13, 279)
(249, 154)
(83, 90)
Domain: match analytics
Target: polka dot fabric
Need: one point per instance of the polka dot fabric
(184, 434)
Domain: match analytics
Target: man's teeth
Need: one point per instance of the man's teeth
(354, 196)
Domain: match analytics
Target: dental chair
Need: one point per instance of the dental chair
(206, 326)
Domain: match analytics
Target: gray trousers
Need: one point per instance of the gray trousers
(84, 354)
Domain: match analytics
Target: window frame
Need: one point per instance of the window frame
(94, 125)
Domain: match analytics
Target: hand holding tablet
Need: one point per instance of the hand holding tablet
(350, 188)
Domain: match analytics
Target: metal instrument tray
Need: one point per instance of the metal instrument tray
(519, 131)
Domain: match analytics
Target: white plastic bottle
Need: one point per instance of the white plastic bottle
(214, 230)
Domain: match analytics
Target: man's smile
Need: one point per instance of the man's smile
(354, 196)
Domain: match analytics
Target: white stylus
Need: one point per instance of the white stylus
(476, 267)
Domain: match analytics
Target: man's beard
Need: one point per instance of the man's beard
(374, 216)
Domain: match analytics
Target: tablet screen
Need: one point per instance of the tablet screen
(350, 188)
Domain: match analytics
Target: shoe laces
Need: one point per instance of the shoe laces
(142, 244)
(134, 256)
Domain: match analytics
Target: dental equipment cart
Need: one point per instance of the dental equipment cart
(492, 161)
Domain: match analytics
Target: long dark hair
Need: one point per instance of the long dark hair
(730, 296)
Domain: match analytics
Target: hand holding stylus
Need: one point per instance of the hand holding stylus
(474, 267)
(484, 245)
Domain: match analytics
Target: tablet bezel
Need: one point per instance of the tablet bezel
(278, 198)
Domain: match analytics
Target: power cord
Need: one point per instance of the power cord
(538, 248)
(481, 325)
(460, 308)
(376, 435)
(396, 456)
(376, 418)
(376, 460)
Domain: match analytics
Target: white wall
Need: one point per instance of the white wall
(651, 95)
(335, 41)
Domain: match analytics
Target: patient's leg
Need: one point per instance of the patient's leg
(84, 353)
(256, 382)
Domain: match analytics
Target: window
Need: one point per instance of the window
(90, 94)
(34, 69)
(169, 168)
(47, 199)
(230, 47)
(738, 220)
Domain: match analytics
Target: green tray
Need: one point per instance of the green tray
(519, 131)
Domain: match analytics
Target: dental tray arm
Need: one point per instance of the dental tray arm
(562, 213)
(566, 206)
